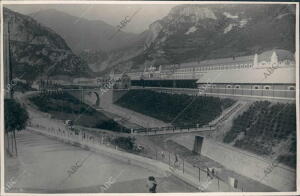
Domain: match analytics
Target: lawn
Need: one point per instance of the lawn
(64, 106)
(180, 110)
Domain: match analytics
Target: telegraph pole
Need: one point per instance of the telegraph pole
(9, 65)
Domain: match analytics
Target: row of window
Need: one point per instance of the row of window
(215, 67)
(254, 87)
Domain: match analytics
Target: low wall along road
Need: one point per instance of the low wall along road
(191, 175)
(268, 172)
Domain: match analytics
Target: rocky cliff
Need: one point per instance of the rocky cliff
(198, 32)
(37, 51)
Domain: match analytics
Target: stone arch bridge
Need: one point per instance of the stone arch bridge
(98, 98)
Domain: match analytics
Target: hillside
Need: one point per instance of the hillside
(267, 129)
(37, 51)
(189, 33)
(82, 34)
(197, 32)
(120, 59)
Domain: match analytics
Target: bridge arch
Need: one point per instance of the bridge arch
(96, 101)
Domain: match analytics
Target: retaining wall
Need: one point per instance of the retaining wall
(279, 177)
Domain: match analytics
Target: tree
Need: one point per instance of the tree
(15, 119)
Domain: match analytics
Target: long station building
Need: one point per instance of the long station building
(271, 74)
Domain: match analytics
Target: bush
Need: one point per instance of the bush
(15, 115)
(126, 143)
(22, 87)
(289, 160)
(111, 125)
(61, 102)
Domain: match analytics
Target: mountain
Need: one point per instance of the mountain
(198, 32)
(102, 62)
(82, 34)
(189, 33)
(37, 51)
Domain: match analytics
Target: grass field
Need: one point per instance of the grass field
(180, 110)
(64, 106)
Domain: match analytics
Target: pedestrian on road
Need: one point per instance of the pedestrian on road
(176, 160)
(209, 173)
(151, 184)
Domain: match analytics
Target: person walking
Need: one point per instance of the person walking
(176, 160)
(163, 155)
(151, 184)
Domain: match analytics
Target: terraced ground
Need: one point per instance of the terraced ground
(180, 110)
(264, 128)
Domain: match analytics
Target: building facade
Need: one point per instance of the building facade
(269, 74)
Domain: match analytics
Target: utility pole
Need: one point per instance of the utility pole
(199, 174)
(9, 65)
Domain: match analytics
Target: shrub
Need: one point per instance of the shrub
(111, 125)
(15, 115)
(126, 143)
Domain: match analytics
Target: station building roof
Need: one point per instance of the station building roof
(281, 55)
(265, 56)
(221, 61)
(280, 75)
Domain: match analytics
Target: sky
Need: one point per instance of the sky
(111, 14)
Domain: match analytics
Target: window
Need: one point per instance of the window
(267, 87)
(292, 88)
(263, 64)
(228, 86)
(255, 87)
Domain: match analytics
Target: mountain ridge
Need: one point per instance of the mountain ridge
(199, 32)
(39, 52)
(81, 33)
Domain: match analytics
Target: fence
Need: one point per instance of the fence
(208, 179)
(236, 92)
(170, 129)
(212, 126)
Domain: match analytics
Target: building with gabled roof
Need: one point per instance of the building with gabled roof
(269, 74)
(272, 75)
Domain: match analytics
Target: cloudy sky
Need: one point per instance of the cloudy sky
(111, 14)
